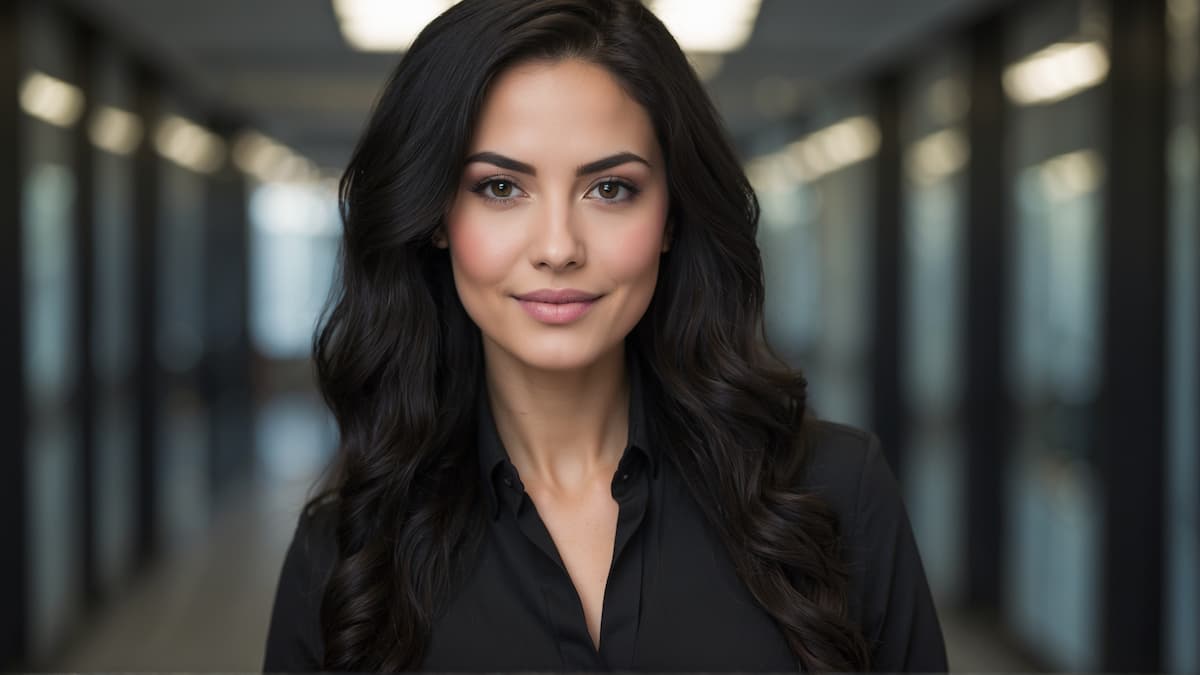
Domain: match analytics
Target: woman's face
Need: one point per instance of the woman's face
(564, 193)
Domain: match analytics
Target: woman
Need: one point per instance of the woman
(564, 445)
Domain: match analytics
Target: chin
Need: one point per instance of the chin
(556, 353)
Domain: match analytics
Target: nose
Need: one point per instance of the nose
(557, 243)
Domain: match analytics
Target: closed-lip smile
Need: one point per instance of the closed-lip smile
(558, 296)
(557, 306)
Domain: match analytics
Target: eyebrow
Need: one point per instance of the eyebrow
(581, 170)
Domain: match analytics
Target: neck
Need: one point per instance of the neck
(561, 429)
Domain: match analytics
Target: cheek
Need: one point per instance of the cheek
(481, 252)
(633, 256)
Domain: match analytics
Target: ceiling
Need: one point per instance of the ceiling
(283, 65)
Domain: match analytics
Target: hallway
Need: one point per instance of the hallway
(216, 590)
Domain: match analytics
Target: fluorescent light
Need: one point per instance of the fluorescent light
(189, 145)
(115, 130)
(270, 161)
(937, 155)
(708, 25)
(51, 100)
(385, 25)
(808, 159)
(392, 25)
(257, 154)
(833, 148)
(770, 173)
(296, 169)
(1056, 72)
(1071, 175)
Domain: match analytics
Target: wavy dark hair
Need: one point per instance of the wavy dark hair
(399, 362)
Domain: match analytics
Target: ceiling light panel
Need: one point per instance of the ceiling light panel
(115, 130)
(1056, 73)
(708, 25)
(938, 155)
(385, 25)
(189, 145)
(51, 100)
(270, 161)
(832, 148)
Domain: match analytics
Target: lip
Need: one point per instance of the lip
(557, 307)
(558, 296)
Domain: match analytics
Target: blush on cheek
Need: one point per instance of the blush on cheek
(640, 246)
(481, 257)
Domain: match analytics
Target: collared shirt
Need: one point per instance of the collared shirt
(529, 565)
(673, 601)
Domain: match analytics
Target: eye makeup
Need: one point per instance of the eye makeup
(485, 189)
(621, 184)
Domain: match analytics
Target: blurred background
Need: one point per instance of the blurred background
(981, 227)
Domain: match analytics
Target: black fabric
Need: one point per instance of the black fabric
(673, 601)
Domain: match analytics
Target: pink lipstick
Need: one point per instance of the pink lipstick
(557, 306)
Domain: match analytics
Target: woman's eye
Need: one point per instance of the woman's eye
(501, 188)
(497, 190)
(610, 191)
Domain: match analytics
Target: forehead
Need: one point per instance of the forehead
(569, 108)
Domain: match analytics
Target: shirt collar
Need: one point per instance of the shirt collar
(495, 469)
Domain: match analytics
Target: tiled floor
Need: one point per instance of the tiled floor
(205, 607)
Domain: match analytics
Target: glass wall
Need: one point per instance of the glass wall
(1183, 356)
(818, 210)
(50, 309)
(933, 137)
(295, 230)
(183, 494)
(1056, 186)
(114, 133)
(788, 238)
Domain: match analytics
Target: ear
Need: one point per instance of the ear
(439, 239)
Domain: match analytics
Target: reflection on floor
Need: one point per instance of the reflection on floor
(972, 646)
(205, 608)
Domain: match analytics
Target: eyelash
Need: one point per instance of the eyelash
(480, 189)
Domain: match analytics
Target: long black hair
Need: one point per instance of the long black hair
(399, 362)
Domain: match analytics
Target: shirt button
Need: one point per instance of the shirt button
(508, 481)
(625, 476)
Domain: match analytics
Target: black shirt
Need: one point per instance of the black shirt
(672, 602)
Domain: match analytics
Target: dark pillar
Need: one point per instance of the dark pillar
(145, 235)
(886, 398)
(986, 406)
(85, 224)
(14, 574)
(226, 377)
(1132, 435)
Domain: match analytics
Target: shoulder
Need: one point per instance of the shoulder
(842, 464)
(318, 518)
(294, 633)
(315, 539)
(846, 467)
(888, 597)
